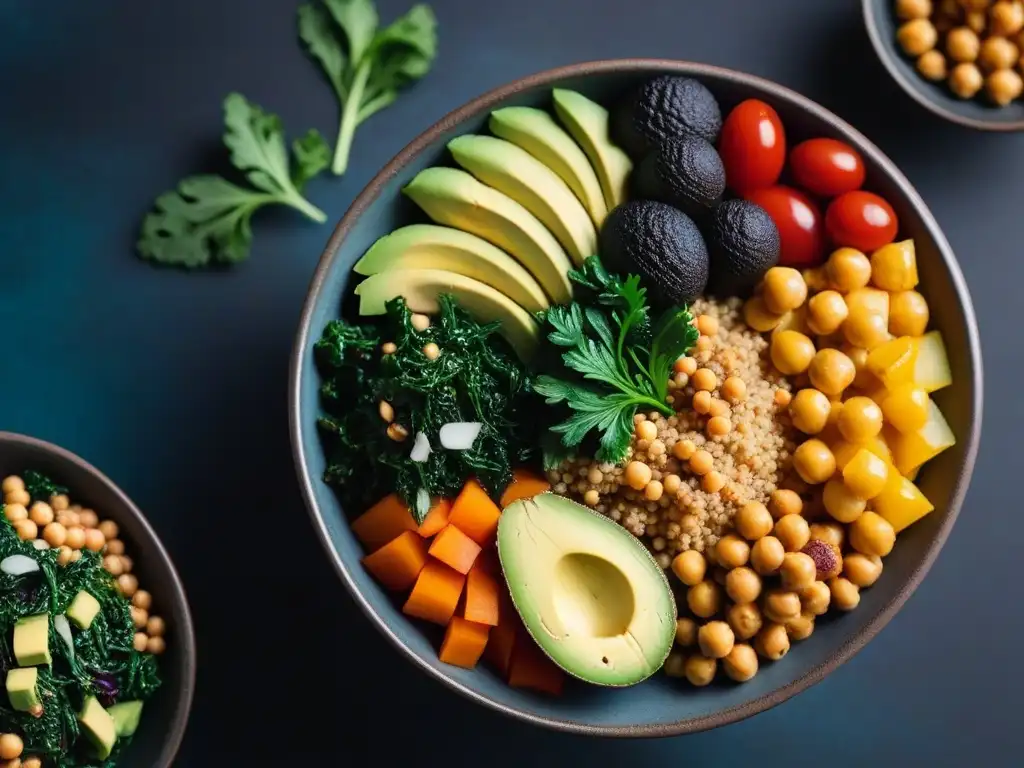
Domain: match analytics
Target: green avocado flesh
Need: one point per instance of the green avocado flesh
(588, 591)
(429, 246)
(537, 132)
(126, 716)
(98, 727)
(454, 198)
(588, 121)
(507, 168)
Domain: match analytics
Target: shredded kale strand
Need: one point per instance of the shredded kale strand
(476, 378)
(104, 663)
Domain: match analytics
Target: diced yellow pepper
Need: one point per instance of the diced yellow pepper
(912, 449)
(912, 474)
(872, 301)
(865, 474)
(893, 362)
(844, 451)
(931, 369)
(894, 266)
(901, 502)
(906, 407)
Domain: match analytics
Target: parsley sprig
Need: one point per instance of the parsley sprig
(616, 360)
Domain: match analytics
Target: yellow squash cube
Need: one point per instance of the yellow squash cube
(901, 502)
(912, 449)
(931, 369)
(894, 361)
(844, 451)
(865, 475)
(906, 408)
(894, 266)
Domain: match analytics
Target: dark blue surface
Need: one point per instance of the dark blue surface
(174, 384)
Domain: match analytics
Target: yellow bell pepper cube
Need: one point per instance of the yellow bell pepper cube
(931, 369)
(866, 474)
(894, 361)
(901, 502)
(912, 449)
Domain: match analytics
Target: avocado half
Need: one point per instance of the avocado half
(664, 108)
(686, 172)
(588, 592)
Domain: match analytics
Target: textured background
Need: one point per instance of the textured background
(175, 384)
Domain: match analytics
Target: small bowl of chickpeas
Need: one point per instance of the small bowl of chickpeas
(961, 59)
(92, 515)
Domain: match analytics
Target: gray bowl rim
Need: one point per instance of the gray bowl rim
(486, 102)
(886, 51)
(184, 630)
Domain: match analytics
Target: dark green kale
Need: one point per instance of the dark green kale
(476, 378)
(40, 487)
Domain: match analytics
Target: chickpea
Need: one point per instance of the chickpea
(962, 45)
(757, 315)
(30, 762)
(12, 484)
(704, 599)
(831, 371)
(18, 497)
(917, 36)
(701, 463)
(128, 563)
(1006, 18)
(420, 322)
(109, 529)
(732, 551)
(75, 537)
(814, 461)
(142, 599)
(830, 533)
(976, 21)
(431, 351)
(653, 490)
(860, 419)
(784, 502)
(139, 617)
(700, 670)
(687, 365)
(637, 475)
(127, 583)
(719, 408)
(798, 571)
(60, 502)
(713, 482)
(841, 503)
(114, 547)
(11, 746)
(26, 530)
(865, 329)
(845, 594)
(719, 426)
(684, 449)
(997, 53)
(800, 627)
(965, 80)
(782, 398)
(686, 632)
(64, 555)
(745, 620)
(156, 645)
(734, 389)
(848, 269)
(784, 290)
(1003, 86)
(931, 65)
(707, 325)
(862, 570)
(41, 513)
(753, 520)
(742, 585)
(741, 663)
(155, 627)
(94, 540)
(113, 565)
(793, 532)
(675, 665)
(791, 352)
(809, 410)
(671, 484)
(15, 512)
(690, 566)
(704, 380)
(772, 641)
(913, 9)
(826, 312)
(139, 642)
(702, 402)
(908, 314)
(815, 598)
(780, 605)
(716, 639)
(89, 518)
(766, 555)
(646, 430)
(872, 534)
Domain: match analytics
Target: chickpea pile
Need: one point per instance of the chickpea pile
(971, 44)
(71, 529)
(11, 748)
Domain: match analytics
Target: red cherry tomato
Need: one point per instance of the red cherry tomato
(826, 167)
(861, 220)
(799, 222)
(752, 146)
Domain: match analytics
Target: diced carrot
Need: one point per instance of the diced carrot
(436, 519)
(464, 642)
(474, 513)
(435, 594)
(503, 637)
(382, 522)
(524, 485)
(530, 668)
(481, 598)
(452, 547)
(488, 560)
(397, 564)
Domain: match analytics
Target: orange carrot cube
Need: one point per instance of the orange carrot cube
(481, 598)
(530, 668)
(452, 547)
(502, 640)
(474, 513)
(436, 519)
(524, 485)
(397, 564)
(384, 521)
(464, 643)
(435, 595)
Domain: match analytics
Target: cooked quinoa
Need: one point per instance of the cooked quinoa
(729, 442)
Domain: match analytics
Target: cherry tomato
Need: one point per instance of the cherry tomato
(752, 146)
(861, 220)
(826, 167)
(799, 222)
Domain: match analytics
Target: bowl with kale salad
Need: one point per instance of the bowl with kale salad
(96, 642)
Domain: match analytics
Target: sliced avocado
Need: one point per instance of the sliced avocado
(587, 121)
(429, 246)
(517, 173)
(126, 717)
(537, 132)
(83, 609)
(587, 590)
(421, 287)
(454, 198)
(22, 688)
(32, 640)
(98, 726)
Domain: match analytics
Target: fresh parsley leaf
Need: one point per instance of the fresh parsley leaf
(365, 65)
(674, 334)
(208, 218)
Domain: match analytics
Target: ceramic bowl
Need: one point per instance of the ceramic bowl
(166, 715)
(975, 113)
(659, 706)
